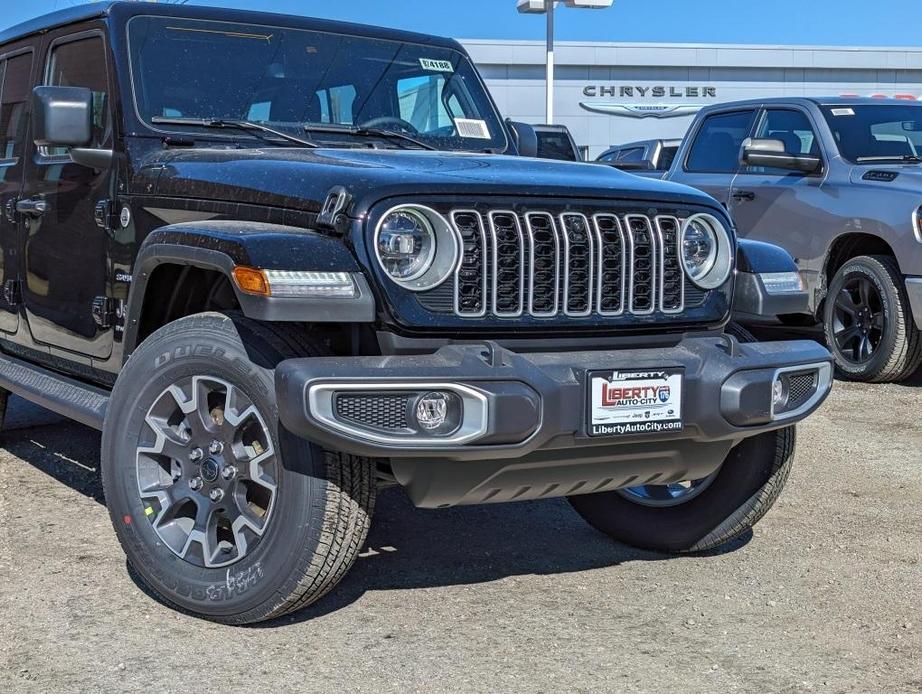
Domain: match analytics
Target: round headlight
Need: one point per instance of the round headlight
(706, 251)
(405, 244)
(416, 247)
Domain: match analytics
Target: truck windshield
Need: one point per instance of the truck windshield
(338, 88)
(883, 132)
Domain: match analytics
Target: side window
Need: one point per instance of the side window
(666, 157)
(13, 99)
(790, 126)
(609, 156)
(717, 146)
(634, 154)
(82, 63)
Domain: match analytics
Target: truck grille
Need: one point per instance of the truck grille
(570, 264)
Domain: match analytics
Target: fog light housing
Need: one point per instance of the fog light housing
(779, 394)
(438, 413)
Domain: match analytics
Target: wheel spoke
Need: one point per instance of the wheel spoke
(864, 292)
(846, 335)
(846, 302)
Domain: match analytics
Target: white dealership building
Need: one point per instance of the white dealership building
(612, 93)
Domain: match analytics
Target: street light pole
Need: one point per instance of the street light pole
(547, 7)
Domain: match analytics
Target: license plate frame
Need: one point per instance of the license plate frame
(634, 401)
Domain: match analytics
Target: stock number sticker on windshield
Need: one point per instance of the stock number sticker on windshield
(472, 128)
(436, 65)
(635, 402)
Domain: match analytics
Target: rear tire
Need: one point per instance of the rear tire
(306, 510)
(867, 305)
(743, 490)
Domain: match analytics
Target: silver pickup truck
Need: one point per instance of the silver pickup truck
(838, 183)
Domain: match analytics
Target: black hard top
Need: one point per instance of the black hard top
(125, 10)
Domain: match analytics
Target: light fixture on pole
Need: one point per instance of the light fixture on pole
(547, 7)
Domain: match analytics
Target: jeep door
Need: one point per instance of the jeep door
(712, 159)
(781, 206)
(16, 64)
(65, 252)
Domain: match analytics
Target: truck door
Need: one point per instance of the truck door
(65, 263)
(713, 155)
(781, 206)
(15, 87)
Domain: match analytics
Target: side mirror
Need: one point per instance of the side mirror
(771, 153)
(525, 138)
(62, 116)
(642, 165)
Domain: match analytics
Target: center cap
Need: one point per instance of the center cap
(210, 470)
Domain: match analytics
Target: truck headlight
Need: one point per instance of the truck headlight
(416, 247)
(706, 252)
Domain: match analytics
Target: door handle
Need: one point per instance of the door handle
(32, 207)
(741, 195)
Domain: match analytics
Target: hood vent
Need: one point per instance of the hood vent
(880, 176)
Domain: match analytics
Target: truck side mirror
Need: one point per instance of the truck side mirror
(63, 117)
(525, 138)
(772, 154)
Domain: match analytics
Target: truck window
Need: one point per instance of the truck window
(793, 128)
(555, 145)
(82, 63)
(876, 132)
(15, 94)
(634, 154)
(717, 146)
(666, 157)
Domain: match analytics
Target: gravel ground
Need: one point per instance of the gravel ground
(524, 597)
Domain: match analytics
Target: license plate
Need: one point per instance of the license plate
(635, 402)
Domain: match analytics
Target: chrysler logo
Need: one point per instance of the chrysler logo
(641, 110)
(633, 109)
(658, 92)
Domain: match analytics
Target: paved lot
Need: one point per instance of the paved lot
(824, 597)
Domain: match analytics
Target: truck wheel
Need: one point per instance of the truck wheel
(868, 324)
(700, 515)
(222, 513)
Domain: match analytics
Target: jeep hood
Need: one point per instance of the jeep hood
(301, 178)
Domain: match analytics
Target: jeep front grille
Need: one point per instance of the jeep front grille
(570, 264)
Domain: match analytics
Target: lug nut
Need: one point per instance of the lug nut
(228, 472)
(216, 495)
(195, 484)
(215, 447)
(196, 455)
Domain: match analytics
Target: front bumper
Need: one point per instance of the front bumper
(531, 440)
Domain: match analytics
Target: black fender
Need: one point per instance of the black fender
(751, 301)
(222, 245)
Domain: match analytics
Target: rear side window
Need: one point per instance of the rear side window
(82, 63)
(13, 98)
(666, 157)
(717, 146)
(555, 145)
(634, 154)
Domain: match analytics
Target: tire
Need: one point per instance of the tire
(891, 332)
(734, 500)
(306, 510)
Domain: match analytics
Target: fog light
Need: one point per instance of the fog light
(779, 395)
(438, 413)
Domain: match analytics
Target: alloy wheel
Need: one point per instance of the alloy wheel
(207, 471)
(858, 320)
(664, 495)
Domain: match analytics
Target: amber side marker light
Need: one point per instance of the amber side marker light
(295, 283)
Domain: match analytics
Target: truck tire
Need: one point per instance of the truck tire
(222, 513)
(707, 514)
(868, 323)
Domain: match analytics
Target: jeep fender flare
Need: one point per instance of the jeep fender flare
(224, 245)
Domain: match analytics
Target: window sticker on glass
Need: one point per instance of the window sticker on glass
(843, 111)
(473, 128)
(436, 65)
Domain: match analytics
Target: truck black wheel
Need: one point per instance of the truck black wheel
(700, 515)
(220, 511)
(869, 326)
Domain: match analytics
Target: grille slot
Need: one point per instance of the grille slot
(508, 264)
(386, 412)
(549, 265)
(800, 388)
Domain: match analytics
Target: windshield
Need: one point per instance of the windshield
(293, 79)
(877, 132)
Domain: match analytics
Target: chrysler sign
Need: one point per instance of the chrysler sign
(675, 98)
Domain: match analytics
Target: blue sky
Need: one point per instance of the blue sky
(836, 22)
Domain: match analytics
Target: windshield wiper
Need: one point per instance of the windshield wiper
(909, 158)
(229, 123)
(365, 132)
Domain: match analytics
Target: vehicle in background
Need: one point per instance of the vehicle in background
(838, 183)
(650, 158)
(556, 142)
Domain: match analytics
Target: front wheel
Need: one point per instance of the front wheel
(868, 324)
(220, 511)
(698, 515)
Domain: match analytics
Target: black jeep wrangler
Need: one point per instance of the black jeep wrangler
(283, 262)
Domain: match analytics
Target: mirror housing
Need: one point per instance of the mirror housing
(643, 165)
(62, 116)
(771, 153)
(525, 138)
